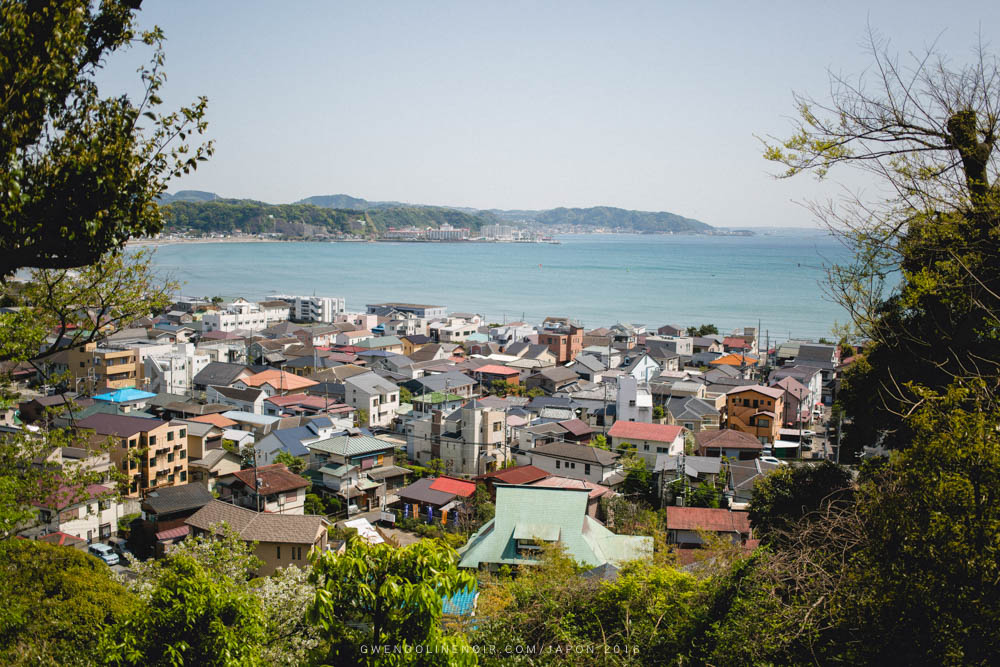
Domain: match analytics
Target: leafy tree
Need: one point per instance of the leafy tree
(482, 505)
(192, 617)
(436, 466)
(81, 172)
(704, 330)
(928, 132)
(56, 603)
(313, 504)
(292, 462)
(704, 495)
(658, 412)
(361, 416)
(789, 493)
(600, 441)
(379, 595)
(405, 396)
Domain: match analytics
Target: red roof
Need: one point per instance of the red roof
(65, 496)
(173, 533)
(641, 431)
(60, 538)
(459, 487)
(577, 427)
(496, 369)
(517, 475)
(705, 518)
(274, 478)
(738, 343)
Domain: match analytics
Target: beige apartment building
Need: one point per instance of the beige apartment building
(150, 453)
(99, 368)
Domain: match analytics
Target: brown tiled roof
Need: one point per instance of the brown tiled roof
(704, 518)
(727, 439)
(274, 478)
(568, 450)
(516, 475)
(772, 392)
(643, 431)
(215, 420)
(259, 527)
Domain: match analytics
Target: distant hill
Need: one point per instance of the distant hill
(618, 218)
(385, 214)
(253, 217)
(188, 195)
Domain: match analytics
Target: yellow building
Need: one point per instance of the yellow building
(756, 410)
(97, 368)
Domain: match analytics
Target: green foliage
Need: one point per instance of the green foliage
(125, 522)
(608, 217)
(704, 495)
(382, 595)
(361, 417)
(81, 172)
(482, 505)
(56, 603)
(192, 617)
(405, 396)
(436, 466)
(704, 330)
(426, 216)
(313, 504)
(292, 462)
(658, 412)
(790, 493)
(224, 216)
(600, 441)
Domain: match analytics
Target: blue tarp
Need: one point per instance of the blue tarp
(124, 395)
(462, 603)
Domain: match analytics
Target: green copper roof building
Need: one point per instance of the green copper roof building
(526, 515)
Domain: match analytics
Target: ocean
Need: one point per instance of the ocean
(776, 278)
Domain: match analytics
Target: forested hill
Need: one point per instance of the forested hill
(205, 212)
(607, 217)
(253, 217)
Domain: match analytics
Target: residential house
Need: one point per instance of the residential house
(268, 488)
(694, 470)
(634, 402)
(354, 337)
(551, 380)
(220, 374)
(414, 342)
(588, 367)
(452, 382)
(216, 463)
(733, 444)
(809, 377)
(685, 525)
(295, 440)
(305, 405)
(162, 522)
(359, 468)
(798, 409)
(512, 537)
(274, 382)
(491, 373)
(104, 367)
(625, 336)
(246, 399)
(671, 330)
(436, 498)
(643, 368)
(692, 413)
(649, 440)
(525, 474)
(577, 461)
(373, 394)
(757, 410)
(278, 540)
(595, 492)
(202, 437)
(471, 441)
(383, 343)
(90, 513)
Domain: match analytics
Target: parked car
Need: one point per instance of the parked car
(773, 459)
(104, 552)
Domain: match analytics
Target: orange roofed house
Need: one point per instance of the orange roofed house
(275, 383)
(756, 410)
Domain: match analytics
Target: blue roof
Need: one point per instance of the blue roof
(124, 395)
(462, 603)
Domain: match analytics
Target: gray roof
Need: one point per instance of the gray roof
(689, 407)
(259, 527)
(569, 450)
(693, 465)
(443, 381)
(218, 373)
(370, 383)
(559, 374)
(592, 364)
(816, 353)
(422, 492)
(171, 499)
(248, 395)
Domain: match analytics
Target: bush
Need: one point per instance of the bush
(125, 522)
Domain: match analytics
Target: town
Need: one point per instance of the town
(298, 415)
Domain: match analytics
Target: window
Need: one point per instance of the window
(132, 464)
(170, 457)
(152, 439)
(645, 448)
(557, 464)
(170, 436)
(132, 443)
(152, 460)
(184, 475)
(182, 433)
(106, 504)
(170, 478)
(82, 364)
(183, 454)
(586, 469)
(279, 552)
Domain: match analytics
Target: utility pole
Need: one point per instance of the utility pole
(840, 428)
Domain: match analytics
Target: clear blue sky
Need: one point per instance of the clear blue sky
(644, 105)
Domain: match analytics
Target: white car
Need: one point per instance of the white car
(773, 459)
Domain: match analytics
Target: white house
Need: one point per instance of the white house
(634, 403)
(231, 321)
(376, 395)
(576, 461)
(91, 513)
(648, 439)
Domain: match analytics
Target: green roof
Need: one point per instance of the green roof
(338, 471)
(436, 397)
(378, 343)
(350, 445)
(537, 512)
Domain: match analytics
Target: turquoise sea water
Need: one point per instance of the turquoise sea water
(597, 278)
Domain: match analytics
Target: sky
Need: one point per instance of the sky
(523, 105)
